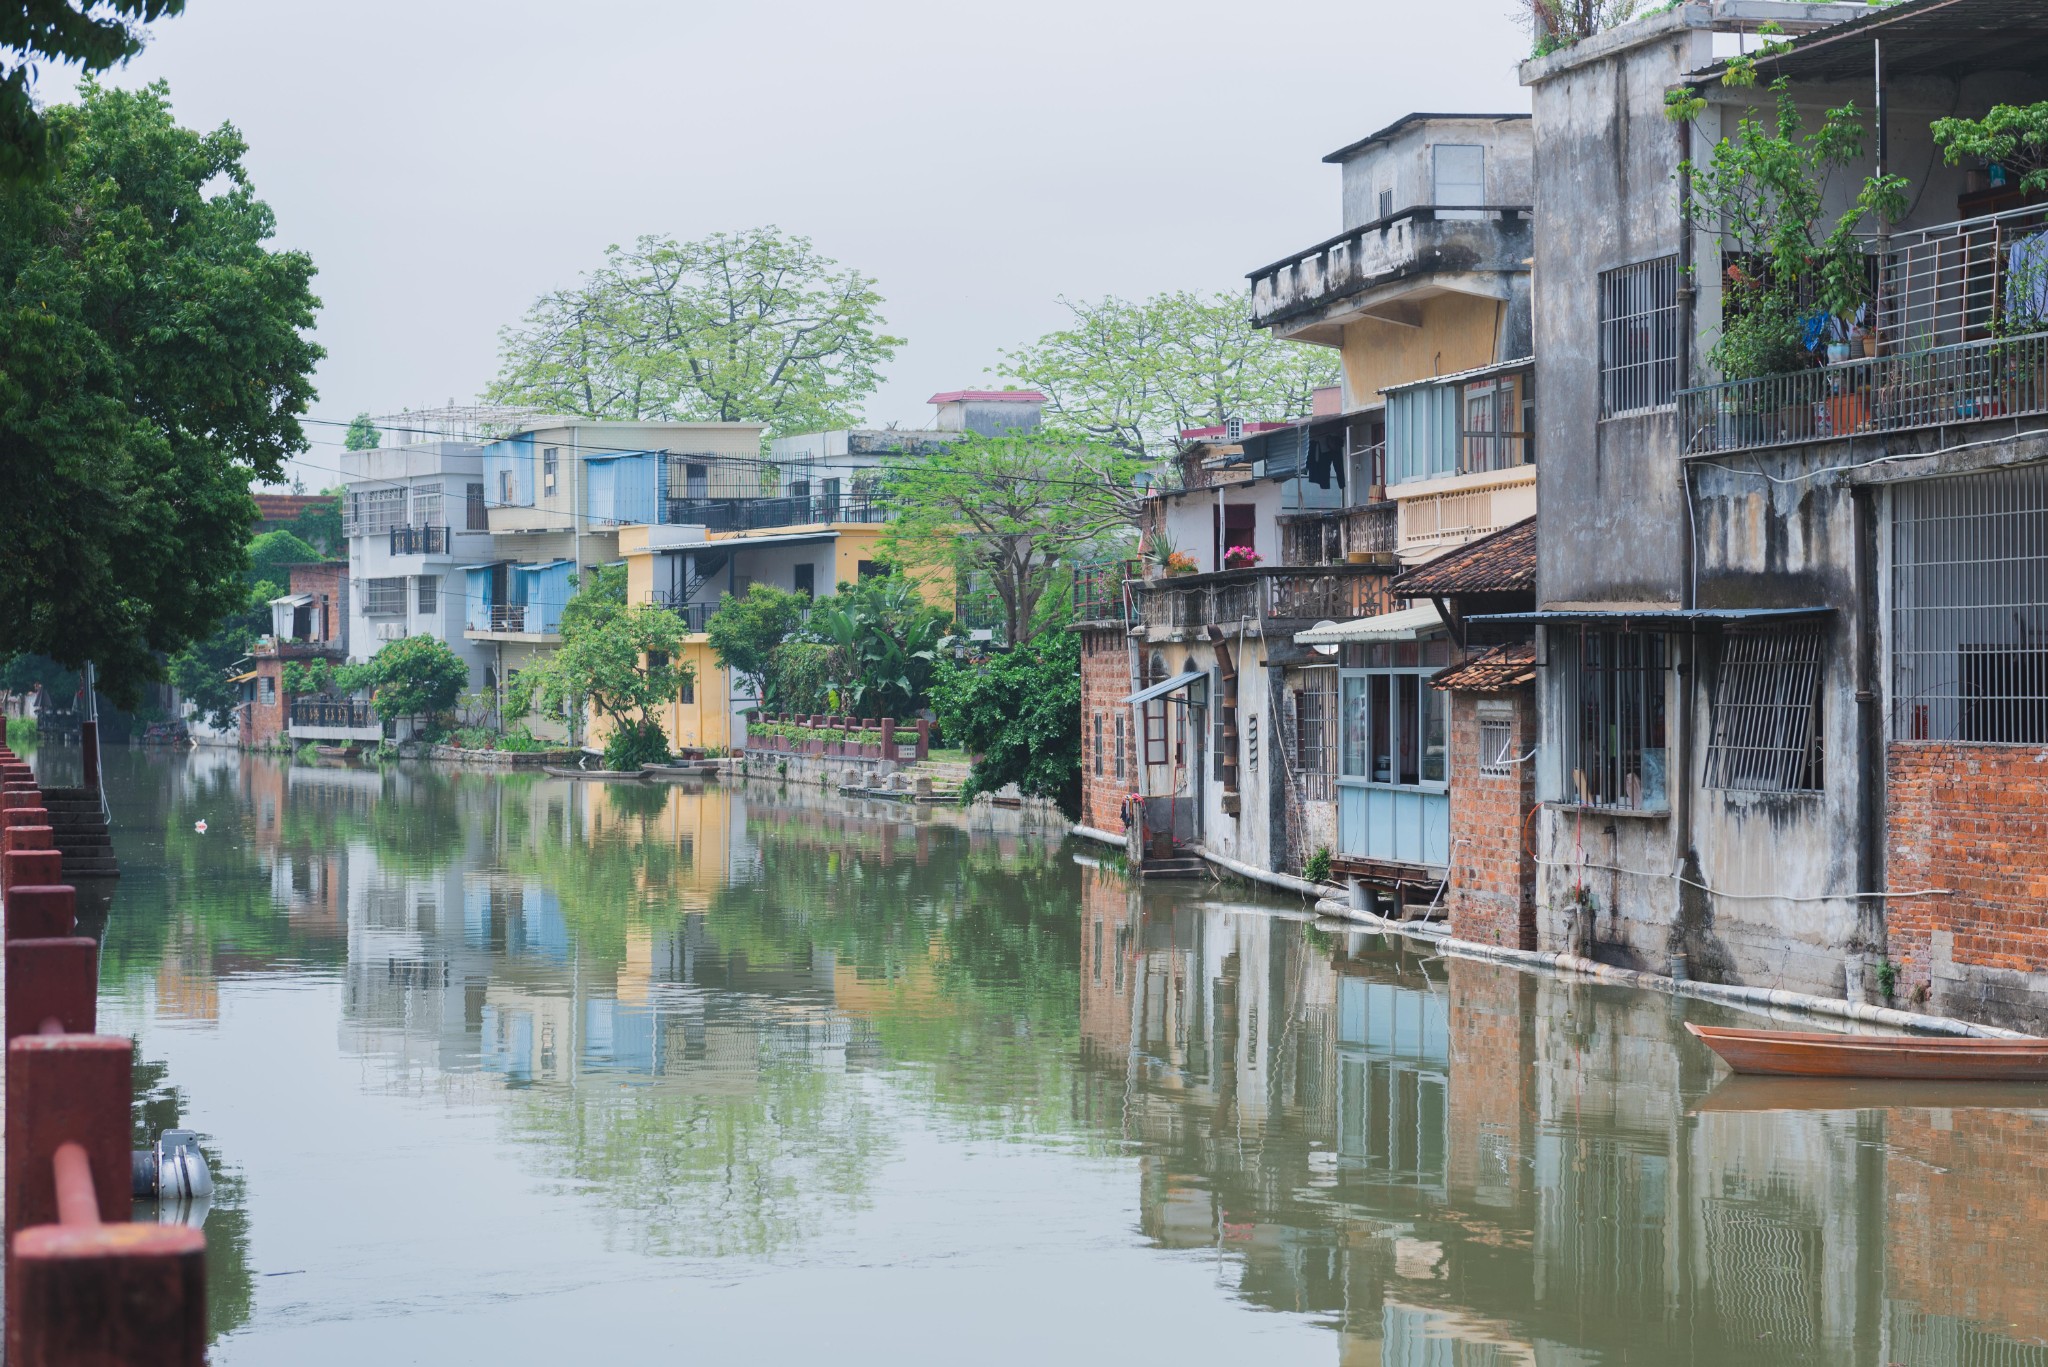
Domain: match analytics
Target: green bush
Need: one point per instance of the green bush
(22, 731)
(635, 745)
(1317, 869)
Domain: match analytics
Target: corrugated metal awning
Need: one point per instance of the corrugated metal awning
(1651, 616)
(1405, 625)
(1172, 685)
(294, 600)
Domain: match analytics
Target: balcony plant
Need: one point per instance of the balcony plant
(1797, 266)
(1180, 562)
(1241, 558)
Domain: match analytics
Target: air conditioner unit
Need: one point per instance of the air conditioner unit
(390, 631)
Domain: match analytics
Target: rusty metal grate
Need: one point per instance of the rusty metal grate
(1766, 713)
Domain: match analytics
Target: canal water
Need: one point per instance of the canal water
(508, 1069)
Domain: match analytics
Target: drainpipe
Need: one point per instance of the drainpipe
(1870, 757)
(1884, 158)
(1679, 775)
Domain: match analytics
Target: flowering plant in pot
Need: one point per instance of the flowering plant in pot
(1180, 562)
(1241, 557)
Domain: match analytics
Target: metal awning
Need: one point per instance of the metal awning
(487, 565)
(1405, 625)
(242, 678)
(739, 541)
(295, 600)
(1669, 617)
(1173, 685)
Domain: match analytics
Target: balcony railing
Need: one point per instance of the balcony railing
(752, 514)
(1099, 592)
(419, 541)
(696, 616)
(508, 616)
(2002, 377)
(1288, 593)
(1374, 529)
(351, 713)
(1963, 281)
(1420, 239)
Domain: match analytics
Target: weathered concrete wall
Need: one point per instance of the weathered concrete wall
(1973, 820)
(1492, 893)
(1404, 164)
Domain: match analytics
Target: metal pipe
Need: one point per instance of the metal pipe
(77, 1202)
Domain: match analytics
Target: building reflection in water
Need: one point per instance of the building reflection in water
(714, 1016)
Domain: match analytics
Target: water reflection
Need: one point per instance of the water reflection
(696, 1035)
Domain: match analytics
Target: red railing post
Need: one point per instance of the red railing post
(52, 981)
(24, 867)
(107, 1293)
(41, 912)
(924, 737)
(889, 738)
(66, 1088)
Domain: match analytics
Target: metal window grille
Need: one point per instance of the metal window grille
(1251, 744)
(376, 511)
(1496, 747)
(1315, 735)
(1613, 709)
(384, 597)
(427, 591)
(1969, 612)
(1639, 324)
(1122, 745)
(1766, 709)
(1098, 745)
(426, 505)
(476, 520)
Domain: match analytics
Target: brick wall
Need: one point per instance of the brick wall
(264, 719)
(1492, 892)
(1973, 818)
(1966, 1194)
(1105, 683)
(1491, 1112)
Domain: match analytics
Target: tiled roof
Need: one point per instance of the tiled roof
(1497, 671)
(1499, 562)
(987, 396)
(287, 507)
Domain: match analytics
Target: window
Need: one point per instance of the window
(697, 481)
(687, 694)
(477, 521)
(1496, 430)
(1639, 336)
(1496, 738)
(1766, 734)
(1387, 203)
(1460, 177)
(806, 579)
(1251, 744)
(427, 591)
(384, 597)
(1611, 702)
(1315, 734)
(266, 690)
(550, 469)
(657, 659)
(1155, 715)
(376, 511)
(1121, 742)
(426, 505)
(1969, 639)
(1098, 745)
(865, 570)
(1394, 728)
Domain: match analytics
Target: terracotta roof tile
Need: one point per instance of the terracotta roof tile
(1496, 671)
(1499, 562)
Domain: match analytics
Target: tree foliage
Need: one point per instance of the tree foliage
(153, 362)
(753, 326)
(1020, 712)
(95, 34)
(1012, 509)
(617, 657)
(1555, 24)
(746, 630)
(417, 676)
(201, 669)
(273, 553)
(363, 434)
(1136, 375)
(882, 643)
(2009, 135)
(321, 523)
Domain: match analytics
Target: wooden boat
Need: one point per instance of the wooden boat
(596, 775)
(1738, 1095)
(1941, 1058)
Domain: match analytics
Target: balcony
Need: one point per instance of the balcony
(419, 541)
(2002, 377)
(1099, 593)
(1965, 281)
(696, 616)
(1286, 593)
(1342, 536)
(755, 514)
(333, 719)
(1420, 241)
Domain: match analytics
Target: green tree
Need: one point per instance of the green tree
(884, 641)
(1010, 508)
(753, 326)
(321, 523)
(362, 434)
(2012, 136)
(272, 554)
(96, 34)
(618, 658)
(746, 630)
(153, 362)
(1136, 375)
(417, 676)
(1020, 711)
(200, 671)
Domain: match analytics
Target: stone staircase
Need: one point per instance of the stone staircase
(80, 833)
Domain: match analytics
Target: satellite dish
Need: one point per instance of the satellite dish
(1324, 647)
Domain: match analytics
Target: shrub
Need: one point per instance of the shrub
(1317, 869)
(636, 744)
(22, 731)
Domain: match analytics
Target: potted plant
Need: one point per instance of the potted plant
(1241, 558)
(1179, 562)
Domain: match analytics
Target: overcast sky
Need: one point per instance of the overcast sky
(446, 162)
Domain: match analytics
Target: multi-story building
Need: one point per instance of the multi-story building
(308, 625)
(1275, 669)
(1791, 661)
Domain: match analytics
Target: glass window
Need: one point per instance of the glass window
(384, 597)
(1435, 739)
(377, 511)
(1354, 708)
(428, 588)
(476, 521)
(1639, 336)
(1612, 696)
(426, 505)
(1395, 728)
(1460, 175)
(550, 468)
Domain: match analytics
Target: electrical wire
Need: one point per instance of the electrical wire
(1747, 896)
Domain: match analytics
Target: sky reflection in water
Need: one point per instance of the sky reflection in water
(511, 1069)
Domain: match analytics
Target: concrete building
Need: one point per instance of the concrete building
(1791, 676)
(309, 624)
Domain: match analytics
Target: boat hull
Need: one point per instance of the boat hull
(1785, 1053)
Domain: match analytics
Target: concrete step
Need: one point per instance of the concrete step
(1173, 868)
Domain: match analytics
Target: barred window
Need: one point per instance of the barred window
(1970, 608)
(376, 511)
(1611, 702)
(384, 597)
(1098, 745)
(1122, 745)
(426, 505)
(476, 520)
(1639, 336)
(1496, 740)
(428, 591)
(1315, 734)
(1766, 708)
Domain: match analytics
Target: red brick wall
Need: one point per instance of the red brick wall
(1492, 892)
(1973, 818)
(327, 580)
(1109, 964)
(1490, 1109)
(1105, 683)
(261, 721)
(1966, 1195)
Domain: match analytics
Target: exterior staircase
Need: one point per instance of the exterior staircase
(80, 833)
